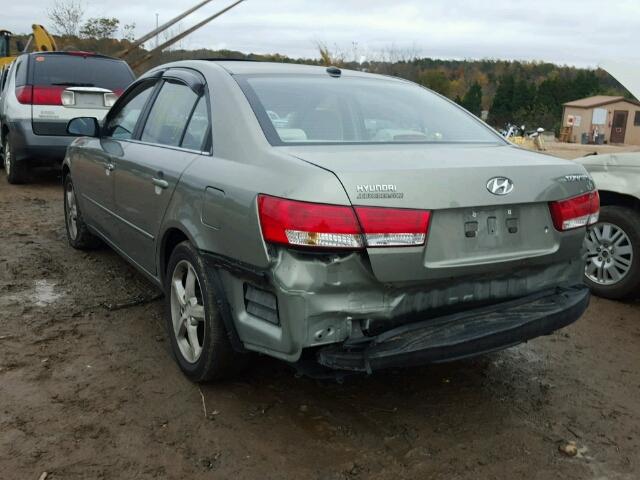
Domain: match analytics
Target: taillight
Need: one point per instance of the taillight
(575, 212)
(68, 98)
(47, 95)
(308, 224)
(291, 222)
(110, 98)
(393, 227)
(24, 94)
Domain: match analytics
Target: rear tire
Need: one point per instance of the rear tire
(16, 171)
(199, 338)
(614, 244)
(78, 233)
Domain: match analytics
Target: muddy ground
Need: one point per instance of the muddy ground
(92, 393)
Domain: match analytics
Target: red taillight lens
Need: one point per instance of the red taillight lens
(24, 94)
(308, 224)
(47, 95)
(393, 227)
(576, 212)
(291, 222)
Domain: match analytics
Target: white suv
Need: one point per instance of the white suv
(42, 92)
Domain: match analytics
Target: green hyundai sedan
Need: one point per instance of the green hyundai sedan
(337, 220)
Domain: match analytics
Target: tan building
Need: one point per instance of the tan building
(617, 118)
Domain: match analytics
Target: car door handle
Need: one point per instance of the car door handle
(158, 182)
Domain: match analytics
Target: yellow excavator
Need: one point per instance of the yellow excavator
(40, 41)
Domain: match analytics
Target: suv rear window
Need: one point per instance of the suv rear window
(80, 71)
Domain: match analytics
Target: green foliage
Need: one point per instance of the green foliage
(472, 100)
(436, 80)
(100, 27)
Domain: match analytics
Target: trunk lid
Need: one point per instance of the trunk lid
(472, 231)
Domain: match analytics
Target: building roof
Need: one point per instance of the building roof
(598, 101)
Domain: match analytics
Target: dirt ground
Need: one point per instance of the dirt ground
(89, 392)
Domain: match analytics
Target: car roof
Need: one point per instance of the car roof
(245, 67)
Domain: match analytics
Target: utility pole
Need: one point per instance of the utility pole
(158, 35)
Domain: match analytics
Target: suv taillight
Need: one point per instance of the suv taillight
(295, 223)
(24, 94)
(39, 95)
(47, 95)
(575, 212)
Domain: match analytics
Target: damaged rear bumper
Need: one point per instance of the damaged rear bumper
(460, 335)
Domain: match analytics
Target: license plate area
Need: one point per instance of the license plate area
(481, 235)
(489, 224)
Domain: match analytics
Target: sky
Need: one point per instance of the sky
(573, 32)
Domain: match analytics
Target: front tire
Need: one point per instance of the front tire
(199, 338)
(16, 172)
(613, 263)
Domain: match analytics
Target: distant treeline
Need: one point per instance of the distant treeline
(530, 93)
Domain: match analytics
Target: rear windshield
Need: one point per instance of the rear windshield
(80, 71)
(315, 109)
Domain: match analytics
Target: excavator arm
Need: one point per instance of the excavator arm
(42, 40)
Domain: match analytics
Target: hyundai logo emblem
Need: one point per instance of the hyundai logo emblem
(500, 186)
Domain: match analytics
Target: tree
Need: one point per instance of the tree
(502, 108)
(128, 32)
(330, 58)
(472, 100)
(100, 27)
(436, 80)
(66, 17)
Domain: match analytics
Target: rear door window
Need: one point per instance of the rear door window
(122, 122)
(169, 115)
(21, 72)
(197, 131)
(81, 71)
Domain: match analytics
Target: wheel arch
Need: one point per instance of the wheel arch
(609, 197)
(172, 236)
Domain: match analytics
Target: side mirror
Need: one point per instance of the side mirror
(84, 127)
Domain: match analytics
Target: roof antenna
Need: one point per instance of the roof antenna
(334, 71)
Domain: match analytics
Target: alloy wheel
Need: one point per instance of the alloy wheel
(7, 158)
(72, 211)
(610, 254)
(187, 311)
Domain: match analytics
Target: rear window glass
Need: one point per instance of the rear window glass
(317, 109)
(79, 71)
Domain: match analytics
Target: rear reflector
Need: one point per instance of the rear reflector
(575, 212)
(306, 224)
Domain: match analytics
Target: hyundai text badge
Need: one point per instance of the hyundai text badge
(500, 186)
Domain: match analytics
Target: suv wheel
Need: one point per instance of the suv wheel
(15, 170)
(199, 338)
(613, 262)
(78, 234)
